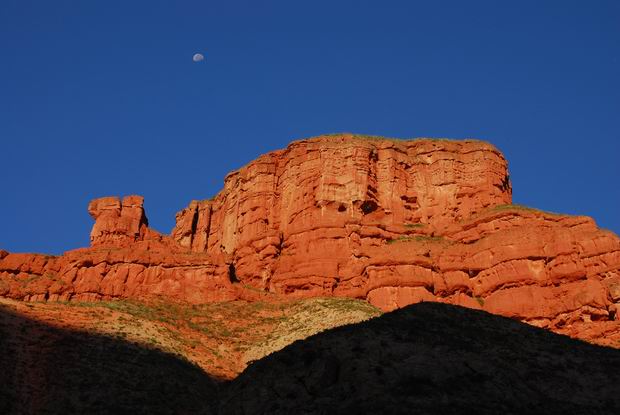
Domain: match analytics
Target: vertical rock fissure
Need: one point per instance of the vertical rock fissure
(194, 226)
(208, 228)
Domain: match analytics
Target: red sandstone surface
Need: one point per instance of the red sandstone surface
(389, 221)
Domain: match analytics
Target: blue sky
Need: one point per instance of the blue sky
(102, 98)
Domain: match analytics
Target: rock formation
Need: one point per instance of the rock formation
(394, 222)
(116, 223)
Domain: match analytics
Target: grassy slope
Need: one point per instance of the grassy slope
(219, 337)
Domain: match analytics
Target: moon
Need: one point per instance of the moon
(198, 57)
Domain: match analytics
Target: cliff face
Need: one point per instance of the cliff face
(306, 211)
(393, 222)
(338, 180)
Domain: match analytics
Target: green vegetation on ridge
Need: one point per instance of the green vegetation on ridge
(397, 139)
(420, 238)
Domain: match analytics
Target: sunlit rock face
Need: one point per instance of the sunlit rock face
(117, 223)
(394, 222)
(293, 220)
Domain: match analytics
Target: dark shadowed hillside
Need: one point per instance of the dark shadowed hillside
(425, 358)
(432, 358)
(47, 370)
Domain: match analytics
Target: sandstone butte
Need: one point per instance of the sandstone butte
(394, 222)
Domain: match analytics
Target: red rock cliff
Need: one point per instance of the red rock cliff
(302, 202)
(394, 222)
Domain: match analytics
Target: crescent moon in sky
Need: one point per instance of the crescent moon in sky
(198, 57)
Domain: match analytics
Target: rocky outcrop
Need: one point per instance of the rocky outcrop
(549, 270)
(126, 259)
(393, 222)
(143, 270)
(118, 223)
(193, 225)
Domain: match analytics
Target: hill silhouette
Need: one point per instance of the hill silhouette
(431, 358)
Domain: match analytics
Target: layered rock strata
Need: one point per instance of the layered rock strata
(393, 222)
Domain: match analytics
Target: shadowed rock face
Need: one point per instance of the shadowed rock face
(392, 222)
(431, 358)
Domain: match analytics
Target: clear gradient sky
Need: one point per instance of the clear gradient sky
(102, 98)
